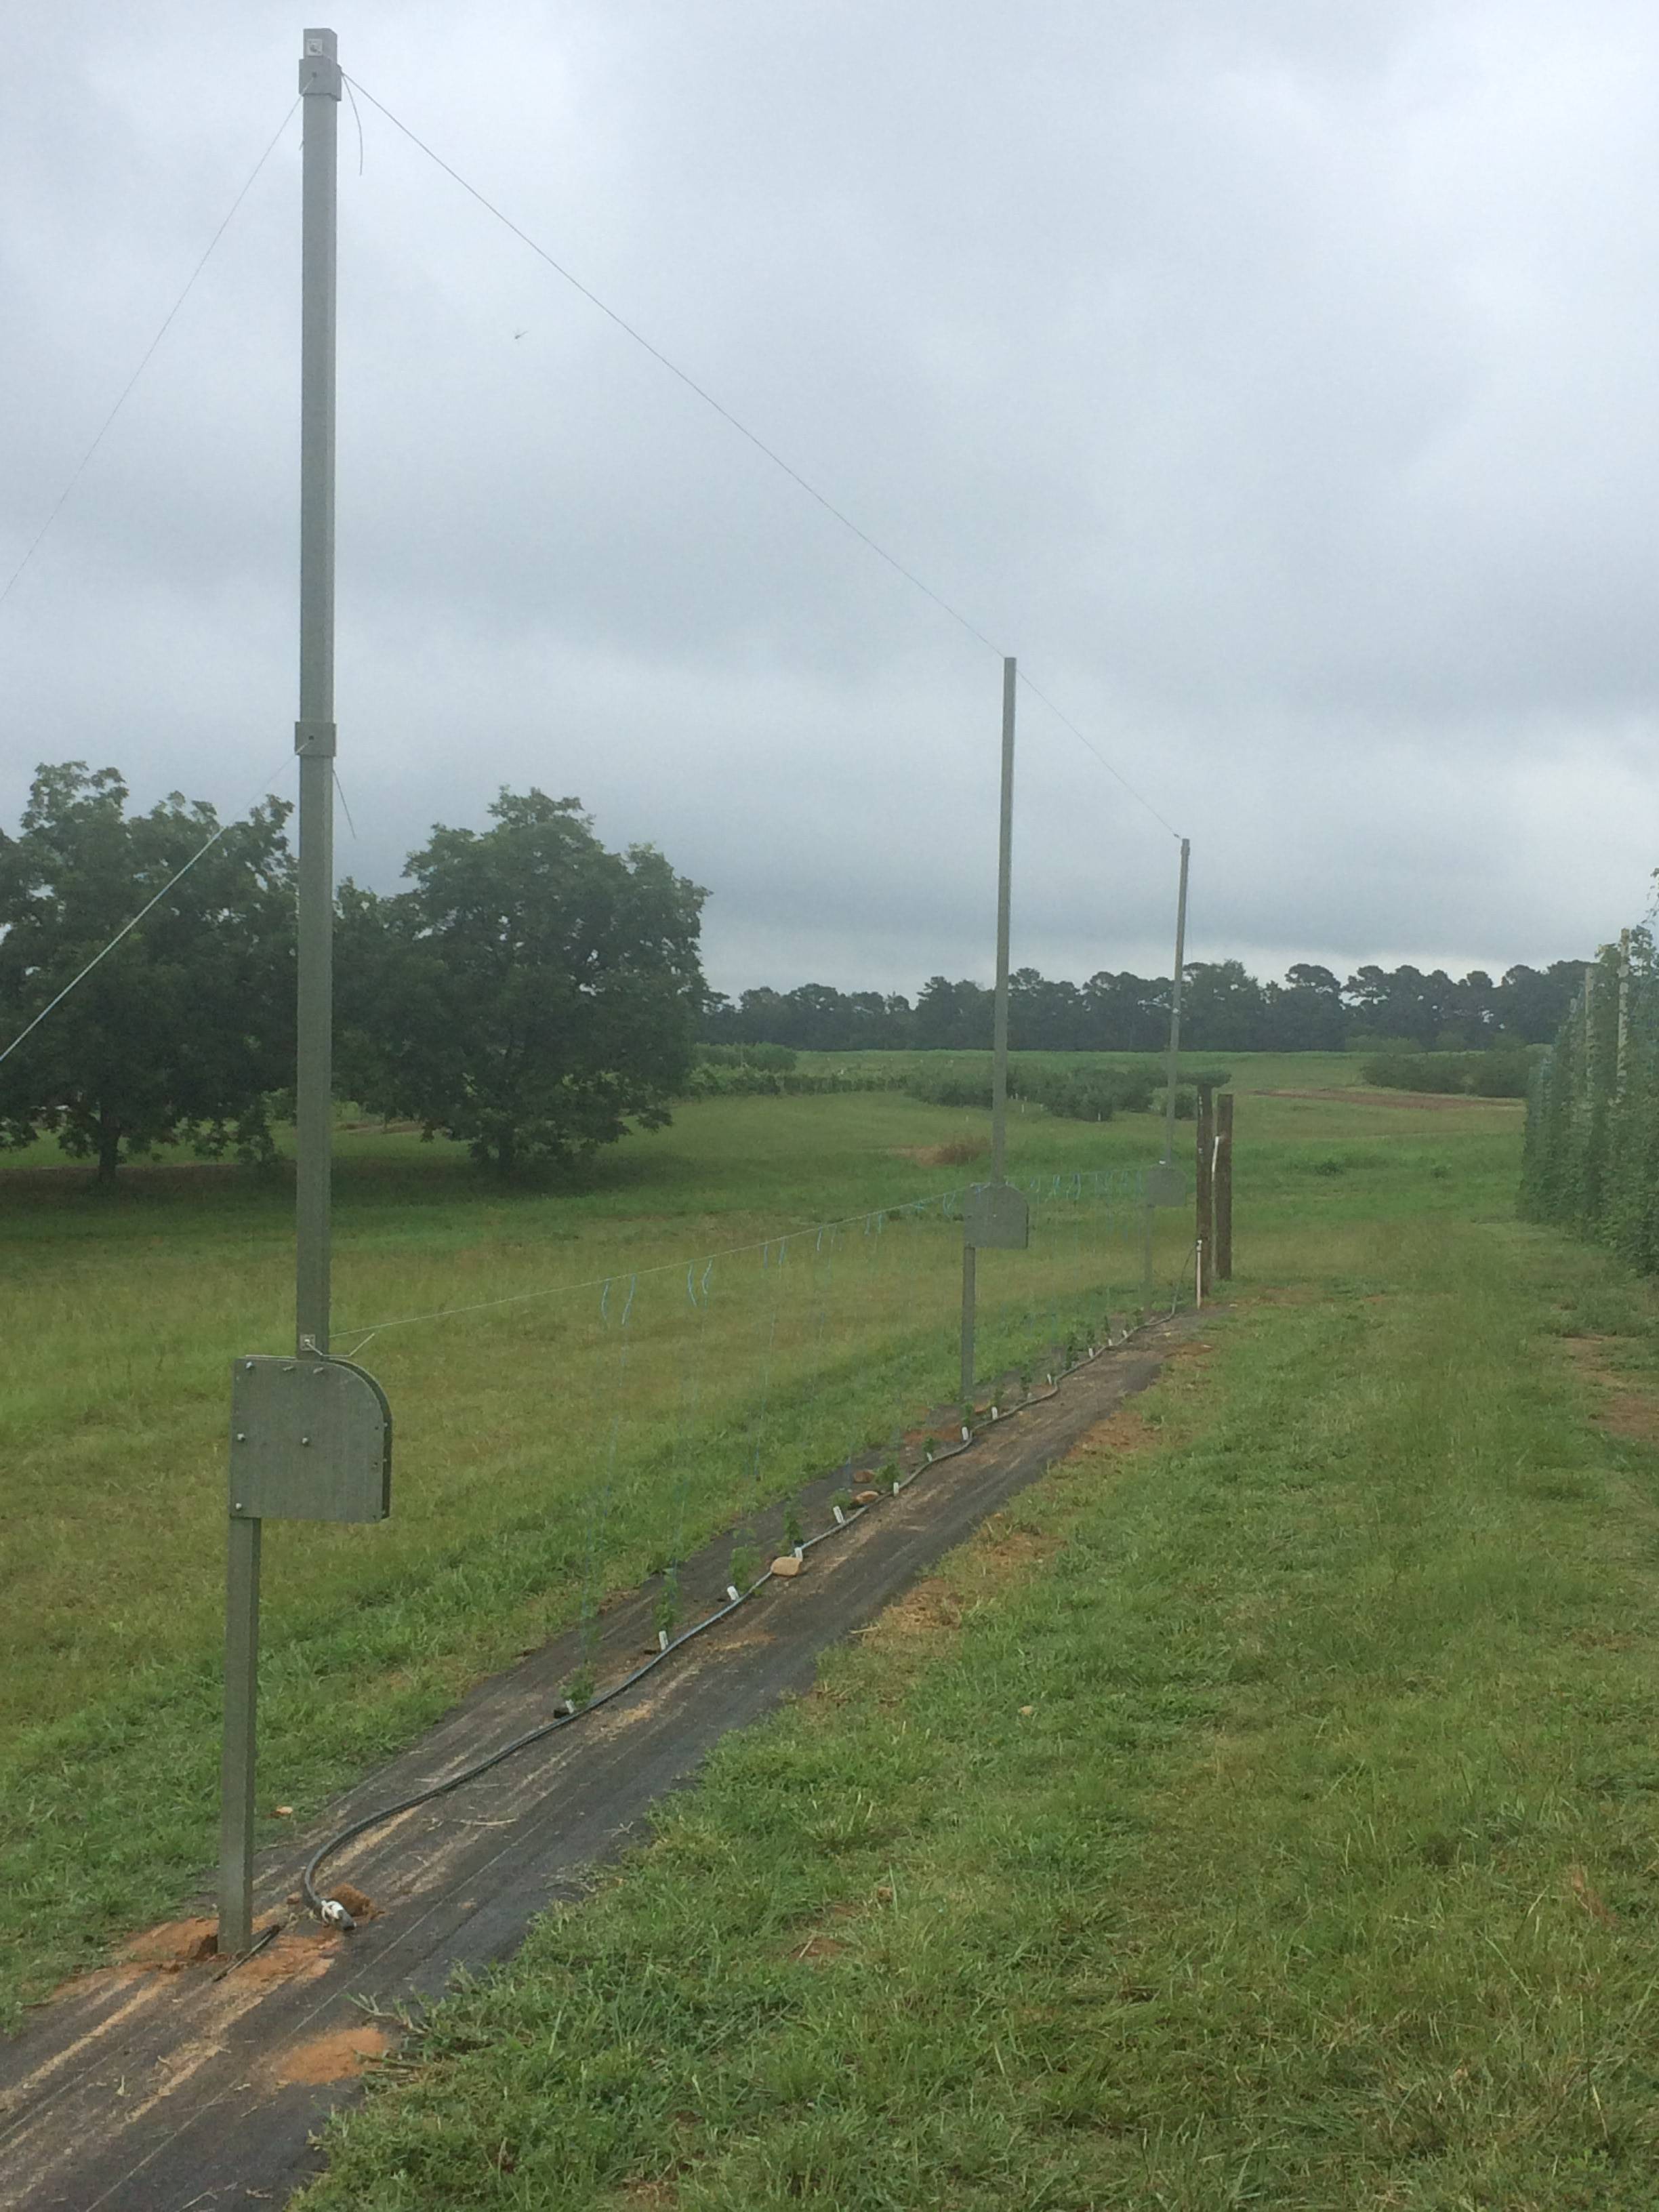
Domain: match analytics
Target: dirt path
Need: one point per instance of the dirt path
(165, 2081)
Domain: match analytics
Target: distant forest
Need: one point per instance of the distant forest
(1223, 1008)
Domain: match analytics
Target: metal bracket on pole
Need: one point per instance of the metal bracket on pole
(319, 68)
(316, 741)
(310, 1440)
(995, 1216)
(1166, 1185)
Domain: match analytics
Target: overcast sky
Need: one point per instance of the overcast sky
(1278, 380)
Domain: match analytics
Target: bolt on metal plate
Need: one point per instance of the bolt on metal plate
(310, 1440)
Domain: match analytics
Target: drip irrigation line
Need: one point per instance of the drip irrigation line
(330, 1908)
(127, 928)
(753, 437)
(79, 468)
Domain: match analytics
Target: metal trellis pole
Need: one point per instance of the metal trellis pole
(1175, 1007)
(1169, 1074)
(1000, 1020)
(314, 741)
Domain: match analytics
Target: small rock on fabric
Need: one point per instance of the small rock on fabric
(788, 1565)
(865, 1497)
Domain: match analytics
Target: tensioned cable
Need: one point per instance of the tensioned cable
(364, 1330)
(1089, 746)
(127, 928)
(703, 392)
(674, 369)
(126, 390)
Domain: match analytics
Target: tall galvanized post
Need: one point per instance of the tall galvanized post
(1175, 1007)
(1173, 1062)
(1000, 1018)
(314, 741)
(1004, 884)
(313, 734)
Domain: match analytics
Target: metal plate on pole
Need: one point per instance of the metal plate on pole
(996, 1218)
(310, 1440)
(1166, 1185)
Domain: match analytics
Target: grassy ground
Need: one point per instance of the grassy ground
(518, 1496)
(547, 1451)
(1262, 1812)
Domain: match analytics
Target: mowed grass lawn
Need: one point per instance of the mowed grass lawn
(1261, 1811)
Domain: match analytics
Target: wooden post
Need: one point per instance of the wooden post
(1224, 1187)
(1203, 1226)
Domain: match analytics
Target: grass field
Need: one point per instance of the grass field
(1262, 1811)
(122, 1313)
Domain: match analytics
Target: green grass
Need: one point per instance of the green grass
(1266, 1815)
(530, 1437)
(121, 1315)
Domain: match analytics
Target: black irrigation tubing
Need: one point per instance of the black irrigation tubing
(330, 1909)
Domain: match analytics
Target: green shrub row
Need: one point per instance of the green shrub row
(1495, 1074)
(715, 1080)
(781, 1059)
(1080, 1094)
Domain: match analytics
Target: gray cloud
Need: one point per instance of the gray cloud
(1278, 382)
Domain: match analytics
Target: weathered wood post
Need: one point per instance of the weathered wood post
(1224, 1187)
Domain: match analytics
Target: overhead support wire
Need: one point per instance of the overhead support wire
(127, 928)
(736, 423)
(126, 391)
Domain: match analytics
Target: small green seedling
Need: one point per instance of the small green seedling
(745, 1566)
(578, 1691)
(793, 1534)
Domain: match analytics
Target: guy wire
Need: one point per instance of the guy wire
(144, 359)
(736, 423)
(233, 822)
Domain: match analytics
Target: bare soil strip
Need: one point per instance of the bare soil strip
(164, 2079)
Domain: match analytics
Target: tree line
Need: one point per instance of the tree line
(530, 994)
(1223, 1008)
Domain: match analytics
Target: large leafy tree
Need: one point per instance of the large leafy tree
(532, 994)
(187, 1026)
